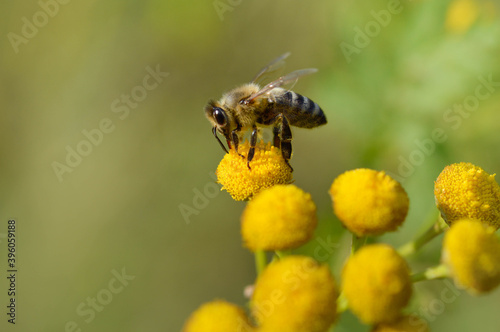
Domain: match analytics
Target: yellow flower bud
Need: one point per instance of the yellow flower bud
(472, 252)
(279, 218)
(268, 168)
(368, 202)
(467, 191)
(295, 294)
(218, 316)
(376, 283)
(411, 323)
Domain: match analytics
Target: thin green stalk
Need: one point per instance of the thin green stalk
(342, 303)
(260, 261)
(435, 272)
(357, 242)
(413, 246)
(282, 254)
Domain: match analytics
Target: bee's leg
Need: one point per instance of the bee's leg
(276, 136)
(235, 139)
(285, 138)
(253, 142)
(214, 131)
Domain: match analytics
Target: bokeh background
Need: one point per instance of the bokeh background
(141, 200)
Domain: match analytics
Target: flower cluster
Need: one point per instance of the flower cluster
(294, 294)
(298, 293)
(469, 201)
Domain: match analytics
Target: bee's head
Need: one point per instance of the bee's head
(218, 117)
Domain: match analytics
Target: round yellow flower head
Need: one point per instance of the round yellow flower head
(268, 168)
(368, 202)
(279, 218)
(467, 191)
(376, 283)
(472, 252)
(411, 323)
(461, 15)
(218, 316)
(295, 294)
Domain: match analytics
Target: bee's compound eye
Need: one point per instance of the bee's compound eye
(220, 116)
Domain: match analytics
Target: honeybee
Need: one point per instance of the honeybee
(250, 107)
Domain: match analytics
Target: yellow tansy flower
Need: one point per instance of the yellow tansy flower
(218, 316)
(268, 168)
(376, 283)
(472, 252)
(279, 218)
(411, 323)
(461, 15)
(368, 202)
(295, 294)
(467, 191)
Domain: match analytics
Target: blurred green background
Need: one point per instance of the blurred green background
(385, 82)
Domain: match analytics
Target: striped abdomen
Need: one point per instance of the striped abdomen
(299, 110)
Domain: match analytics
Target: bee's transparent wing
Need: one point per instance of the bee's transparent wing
(292, 77)
(273, 65)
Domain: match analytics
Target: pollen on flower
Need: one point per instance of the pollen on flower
(216, 316)
(376, 282)
(464, 190)
(369, 202)
(268, 168)
(278, 218)
(303, 295)
(472, 252)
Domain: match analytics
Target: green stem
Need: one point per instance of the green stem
(413, 246)
(435, 272)
(342, 303)
(357, 242)
(282, 254)
(260, 261)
